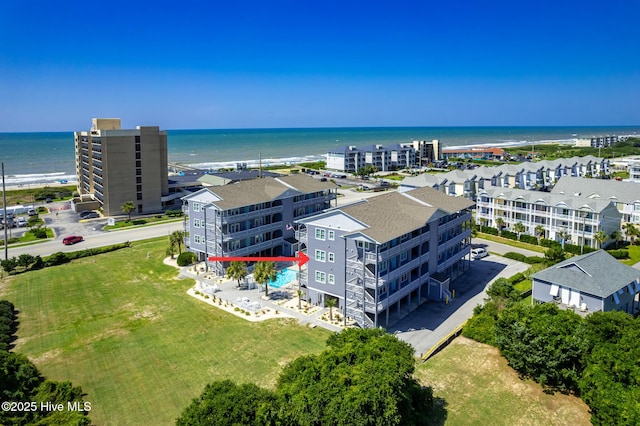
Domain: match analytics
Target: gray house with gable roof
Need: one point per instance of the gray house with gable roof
(592, 282)
(384, 256)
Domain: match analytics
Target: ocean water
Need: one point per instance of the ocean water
(36, 158)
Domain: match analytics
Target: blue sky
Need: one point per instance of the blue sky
(243, 64)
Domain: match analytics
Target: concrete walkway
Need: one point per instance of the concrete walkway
(248, 299)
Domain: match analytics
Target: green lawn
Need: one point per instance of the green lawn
(121, 326)
(479, 388)
(511, 243)
(634, 255)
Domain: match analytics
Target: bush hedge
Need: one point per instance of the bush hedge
(510, 235)
(515, 256)
(529, 239)
(531, 260)
(7, 324)
(488, 230)
(174, 213)
(619, 254)
(186, 258)
(515, 279)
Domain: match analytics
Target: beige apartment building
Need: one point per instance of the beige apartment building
(115, 165)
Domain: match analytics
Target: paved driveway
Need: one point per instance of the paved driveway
(433, 321)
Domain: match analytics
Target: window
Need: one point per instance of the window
(138, 188)
(196, 207)
(320, 234)
(196, 239)
(332, 279)
(403, 256)
(321, 277)
(321, 255)
(139, 196)
(234, 227)
(138, 180)
(332, 257)
(138, 163)
(332, 235)
(196, 223)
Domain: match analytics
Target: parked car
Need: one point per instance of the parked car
(32, 212)
(72, 239)
(91, 215)
(479, 253)
(22, 221)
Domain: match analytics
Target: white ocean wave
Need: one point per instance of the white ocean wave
(39, 178)
(216, 165)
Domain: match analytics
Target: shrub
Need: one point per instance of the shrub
(619, 254)
(186, 258)
(488, 230)
(515, 256)
(56, 259)
(174, 213)
(532, 260)
(517, 278)
(510, 235)
(39, 232)
(530, 239)
(549, 243)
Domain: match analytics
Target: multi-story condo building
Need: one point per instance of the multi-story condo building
(253, 217)
(397, 156)
(597, 141)
(538, 175)
(634, 171)
(384, 256)
(556, 214)
(115, 165)
(624, 195)
(477, 153)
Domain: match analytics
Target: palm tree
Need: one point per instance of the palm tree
(617, 237)
(600, 237)
(630, 230)
(177, 238)
(299, 299)
(330, 302)
(539, 232)
(237, 271)
(564, 235)
(127, 208)
(519, 228)
(500, 224)
(265, 272)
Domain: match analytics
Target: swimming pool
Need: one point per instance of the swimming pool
(283, 278)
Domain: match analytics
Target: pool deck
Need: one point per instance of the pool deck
(283, 300)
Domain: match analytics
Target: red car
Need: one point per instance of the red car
(72, 239)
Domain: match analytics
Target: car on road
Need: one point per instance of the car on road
(479, 253)
(22, 221)
(32, 212)
(72, 239)
(91, 215)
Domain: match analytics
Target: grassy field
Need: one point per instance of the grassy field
(512, 243)
(479, 388)
(121, 326)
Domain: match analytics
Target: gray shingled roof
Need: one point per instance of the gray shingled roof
(440, 200)
(551, 199)
(393, 214)
(626, 192)
(266, 189)
(597, 273)
(389, 215)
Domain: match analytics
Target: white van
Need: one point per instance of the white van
(479, 253)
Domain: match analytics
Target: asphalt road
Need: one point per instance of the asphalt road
(66, 222)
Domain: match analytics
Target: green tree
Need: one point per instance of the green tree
(539, 232)
(127, 208)
(177, 238)
(226, 403)
(554, 254)
(10, 264)
(617, 237)
(364, 377)
(263, 273)
(237, 271)
(502, 292)
(600, 237)
(330, 302)
(500, 223)
(542, 342)
(519, 228)
(564, 235)
(366, 170)
(630, 231)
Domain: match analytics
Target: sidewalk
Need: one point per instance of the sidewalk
(282, 300)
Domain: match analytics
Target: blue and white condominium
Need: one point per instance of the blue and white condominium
(252, 218)
(384, 256)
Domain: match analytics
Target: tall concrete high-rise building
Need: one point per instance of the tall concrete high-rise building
(116, 165)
